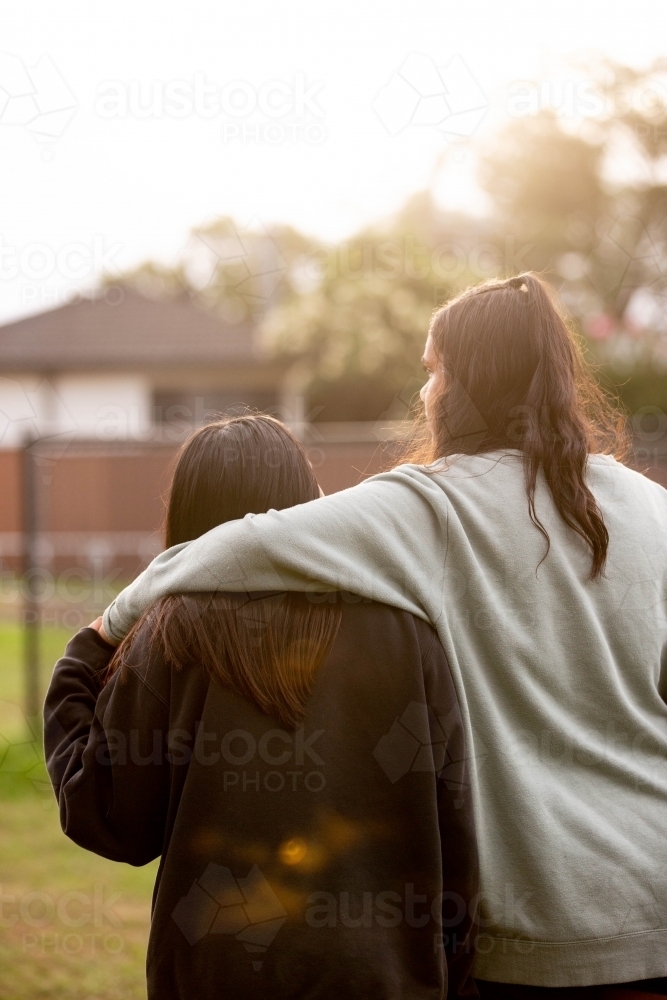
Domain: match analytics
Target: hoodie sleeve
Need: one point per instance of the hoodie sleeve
(383, 539)
(105, 750)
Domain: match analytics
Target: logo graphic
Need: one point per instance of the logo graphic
(18, 416)
(627, 257)
(418, 741)
(447, 98)
(37, 97)
(218, 903)
(21, 750)
(20, 409)
(247, 259)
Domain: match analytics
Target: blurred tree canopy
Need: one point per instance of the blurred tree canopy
(357, 319)
(358, 322)
(351, 317)
(580, 196)
(586, 196)
(546, 183)
(233, 270)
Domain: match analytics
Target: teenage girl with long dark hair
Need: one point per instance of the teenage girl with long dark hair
(542, 562)
(296, 760)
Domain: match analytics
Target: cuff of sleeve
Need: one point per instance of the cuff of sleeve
(89, 647)
(107, 624)
(107, 647)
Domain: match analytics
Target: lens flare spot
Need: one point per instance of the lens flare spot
(292, 852)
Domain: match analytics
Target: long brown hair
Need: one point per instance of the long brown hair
(515, 377)
(265, 647)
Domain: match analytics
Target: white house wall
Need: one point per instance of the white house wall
(97, 407)
(104, 408)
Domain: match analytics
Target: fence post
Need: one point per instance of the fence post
(30, 608)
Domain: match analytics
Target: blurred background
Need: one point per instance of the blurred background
(209, 209)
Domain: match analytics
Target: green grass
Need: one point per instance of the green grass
(72, 925)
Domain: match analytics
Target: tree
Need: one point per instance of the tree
(601, 233)
(546, 185)
(238, 271)
(358, 324)
(598, 231)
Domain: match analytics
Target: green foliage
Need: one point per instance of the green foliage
(600, 236)
(545, 184)
(355, 322)
(364, 322)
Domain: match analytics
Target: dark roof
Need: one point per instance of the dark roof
(125, 330)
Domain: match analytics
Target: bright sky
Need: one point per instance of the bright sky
(163, 115)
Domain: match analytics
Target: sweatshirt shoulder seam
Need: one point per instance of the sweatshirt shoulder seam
(149, 686)
(426, 654)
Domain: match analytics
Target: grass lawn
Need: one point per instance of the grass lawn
(72, 925)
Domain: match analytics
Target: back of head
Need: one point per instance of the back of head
(230, 468)
(514, 377)
(265, 648)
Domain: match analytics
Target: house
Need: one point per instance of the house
(122, 366)
(110, 386)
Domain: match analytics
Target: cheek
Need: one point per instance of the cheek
(429, 390)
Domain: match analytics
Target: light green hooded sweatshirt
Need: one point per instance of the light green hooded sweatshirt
(562, 682)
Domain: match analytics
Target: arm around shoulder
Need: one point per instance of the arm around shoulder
(383, 539)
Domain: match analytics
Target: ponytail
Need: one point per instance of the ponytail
(515, 378)
(558, 436)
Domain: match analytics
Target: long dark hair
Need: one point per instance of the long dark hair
(515, 377)
(265, 647)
